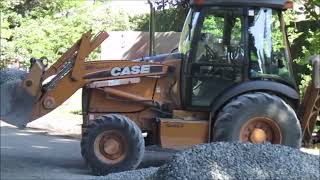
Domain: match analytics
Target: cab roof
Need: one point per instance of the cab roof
(278, 4)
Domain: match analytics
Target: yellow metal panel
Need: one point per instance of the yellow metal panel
(32, 82)
(179, 134)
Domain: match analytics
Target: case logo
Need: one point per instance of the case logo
(117, 71)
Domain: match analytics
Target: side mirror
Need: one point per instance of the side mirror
(315, 60)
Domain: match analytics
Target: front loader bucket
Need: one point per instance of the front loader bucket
(16, 103)
(22, 93)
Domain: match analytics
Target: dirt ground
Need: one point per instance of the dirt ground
(31, 154)
(63, 120)
(49, 148)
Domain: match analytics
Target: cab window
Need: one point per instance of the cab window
(218, 60)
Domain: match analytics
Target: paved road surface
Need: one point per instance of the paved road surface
(29, 154)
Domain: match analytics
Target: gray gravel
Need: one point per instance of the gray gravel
(240, 161)
(7, 75)
(16, 104)
(9, 78)
(140, 174)
(7, 91)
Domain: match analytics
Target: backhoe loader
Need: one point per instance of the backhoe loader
(231, 80)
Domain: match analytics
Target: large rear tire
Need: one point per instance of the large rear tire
(258, 118)
(112, 143)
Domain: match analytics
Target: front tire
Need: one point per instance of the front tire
(258, 118)
(112, 143)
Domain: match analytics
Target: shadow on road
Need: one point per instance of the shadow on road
(33, 154)
(27, 154)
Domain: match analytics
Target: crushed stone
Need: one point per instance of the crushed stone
(7, 75)
(240, 161)
(139, 174)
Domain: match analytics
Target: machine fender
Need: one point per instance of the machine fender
(253, 86)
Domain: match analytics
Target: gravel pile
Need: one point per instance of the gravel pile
(140, 174)
(7, 75)
(15, 105)
(9, 78)
(240, 161)
(7, 95)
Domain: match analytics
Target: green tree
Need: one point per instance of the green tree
(170, 16)
(305, 40)
(36, 28)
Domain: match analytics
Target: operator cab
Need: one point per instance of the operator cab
(225, 45)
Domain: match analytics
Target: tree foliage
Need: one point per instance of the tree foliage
(305, 40)
(162, 4)
(36, 28)
(170, 16)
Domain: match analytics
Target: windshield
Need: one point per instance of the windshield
(221, 37)
(188, 31)
(267, 47)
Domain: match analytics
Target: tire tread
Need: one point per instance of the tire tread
(123, 123)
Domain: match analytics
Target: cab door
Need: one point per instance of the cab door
(216, 57)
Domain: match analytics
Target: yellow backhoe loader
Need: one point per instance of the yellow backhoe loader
(231, 80)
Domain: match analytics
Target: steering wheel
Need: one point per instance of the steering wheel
(210, 53)
(235, 53)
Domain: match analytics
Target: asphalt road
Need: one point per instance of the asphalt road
(29, 154)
